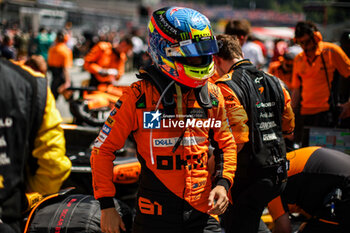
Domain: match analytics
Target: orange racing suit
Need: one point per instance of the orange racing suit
(175, 182)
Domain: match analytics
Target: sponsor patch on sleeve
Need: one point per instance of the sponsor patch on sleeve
(118, 104)
(102, 137)
(113, 112)
(106, 129)
(110, 121)
(95, 151)
(97, 143)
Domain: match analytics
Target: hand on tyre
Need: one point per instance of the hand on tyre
(111, 222)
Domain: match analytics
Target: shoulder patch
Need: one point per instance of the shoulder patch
(141, 102)
(110, 121)
(213, 89)
(118, 104)
(214, 100)
(136, 88)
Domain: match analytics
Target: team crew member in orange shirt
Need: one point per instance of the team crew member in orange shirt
(176, 191)
(106, 63)
(259, 113)
(313, 73)
(60, 58)
(318, 187)
(283, 68)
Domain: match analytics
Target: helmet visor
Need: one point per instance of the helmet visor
(188, 48)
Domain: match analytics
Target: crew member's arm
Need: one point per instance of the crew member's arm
(345, 110)
(296, 84)
(341, 61)
(296, 97)
(236, 115)
(225, 159)
(49, 149)
(288, 118)
(121, 65)
(90, 60)
(280, 216)
(67, 63)
(92, 65)
(282, 224)
(111, 138)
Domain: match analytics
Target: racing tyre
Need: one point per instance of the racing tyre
(76, 213)
(82, 114)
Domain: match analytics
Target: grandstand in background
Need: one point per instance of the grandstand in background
(332, 18)
(95, 14)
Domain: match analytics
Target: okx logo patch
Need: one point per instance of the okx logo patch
(151, 120)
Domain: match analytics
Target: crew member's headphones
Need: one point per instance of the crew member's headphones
(317, 36)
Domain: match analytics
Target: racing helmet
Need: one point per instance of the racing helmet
(181, 44)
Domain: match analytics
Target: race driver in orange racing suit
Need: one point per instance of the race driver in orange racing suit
(173, 114)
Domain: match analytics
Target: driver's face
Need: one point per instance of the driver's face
(194, 61)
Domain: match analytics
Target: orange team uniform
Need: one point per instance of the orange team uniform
(102, 56)
(313, 173)
(237, 115)
(60, 55)
(312, 77)
(175, 177)
(276, 69)
(296, 166)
